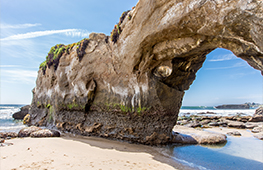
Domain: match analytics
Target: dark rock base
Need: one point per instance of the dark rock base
(145, 128)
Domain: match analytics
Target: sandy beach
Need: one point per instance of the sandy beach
(78, 153)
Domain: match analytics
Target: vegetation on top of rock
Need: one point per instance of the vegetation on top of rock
(123, 15)
(58, 50)
(54, 55)
(117, 28)
(81, 48)
(43, 66)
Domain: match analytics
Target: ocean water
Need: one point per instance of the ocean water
(239, 153)
(200, 110)
(7, 123)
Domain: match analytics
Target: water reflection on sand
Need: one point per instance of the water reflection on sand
(237, 153)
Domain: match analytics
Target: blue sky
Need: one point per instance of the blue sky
(30, 28)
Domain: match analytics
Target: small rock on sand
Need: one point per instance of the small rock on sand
(234, 133)
(236, 124)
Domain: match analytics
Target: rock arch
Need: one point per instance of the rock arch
(180, 34)
(141, 77)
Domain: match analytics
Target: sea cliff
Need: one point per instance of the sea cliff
(130, 85)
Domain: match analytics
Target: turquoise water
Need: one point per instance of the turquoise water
(238, 153)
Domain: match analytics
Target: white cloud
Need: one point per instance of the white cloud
(239, 64)
(67, 32)
(223, 58)
(19, 26)
(19, 76)
(78, 33)
(9, 66)
(16, 66)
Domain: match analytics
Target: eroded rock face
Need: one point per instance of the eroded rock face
(132, 88)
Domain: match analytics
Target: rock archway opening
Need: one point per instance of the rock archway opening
(180, 59)
(224, 79)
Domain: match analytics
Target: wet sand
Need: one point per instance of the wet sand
(81, 153)
(225, 130)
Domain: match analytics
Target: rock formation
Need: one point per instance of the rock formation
(22, 113)
(130, 86)
(258, 116)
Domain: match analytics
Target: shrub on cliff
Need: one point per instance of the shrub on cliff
(81, 48)
(54, 55)
(58, 50)
(117, 28)
(43, 66)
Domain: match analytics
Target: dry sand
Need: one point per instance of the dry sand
(78, 153)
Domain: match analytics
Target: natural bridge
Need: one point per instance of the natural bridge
(130, 85)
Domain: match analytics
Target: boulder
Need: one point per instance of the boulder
(193, 124)
(22, 113)
(259, 111)
(251, 125)
(230, 118)
(25, 132)
(179, 138)
(257, 129)
(256, 118)
(222, 123)
(8, 135)
(205, 122)
(213, 123)
(243, 118)
(45, 133)
(235, 124)
(186, 135)
(258, 115)
(259, 136)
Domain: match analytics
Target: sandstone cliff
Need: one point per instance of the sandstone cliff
(130, 85)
